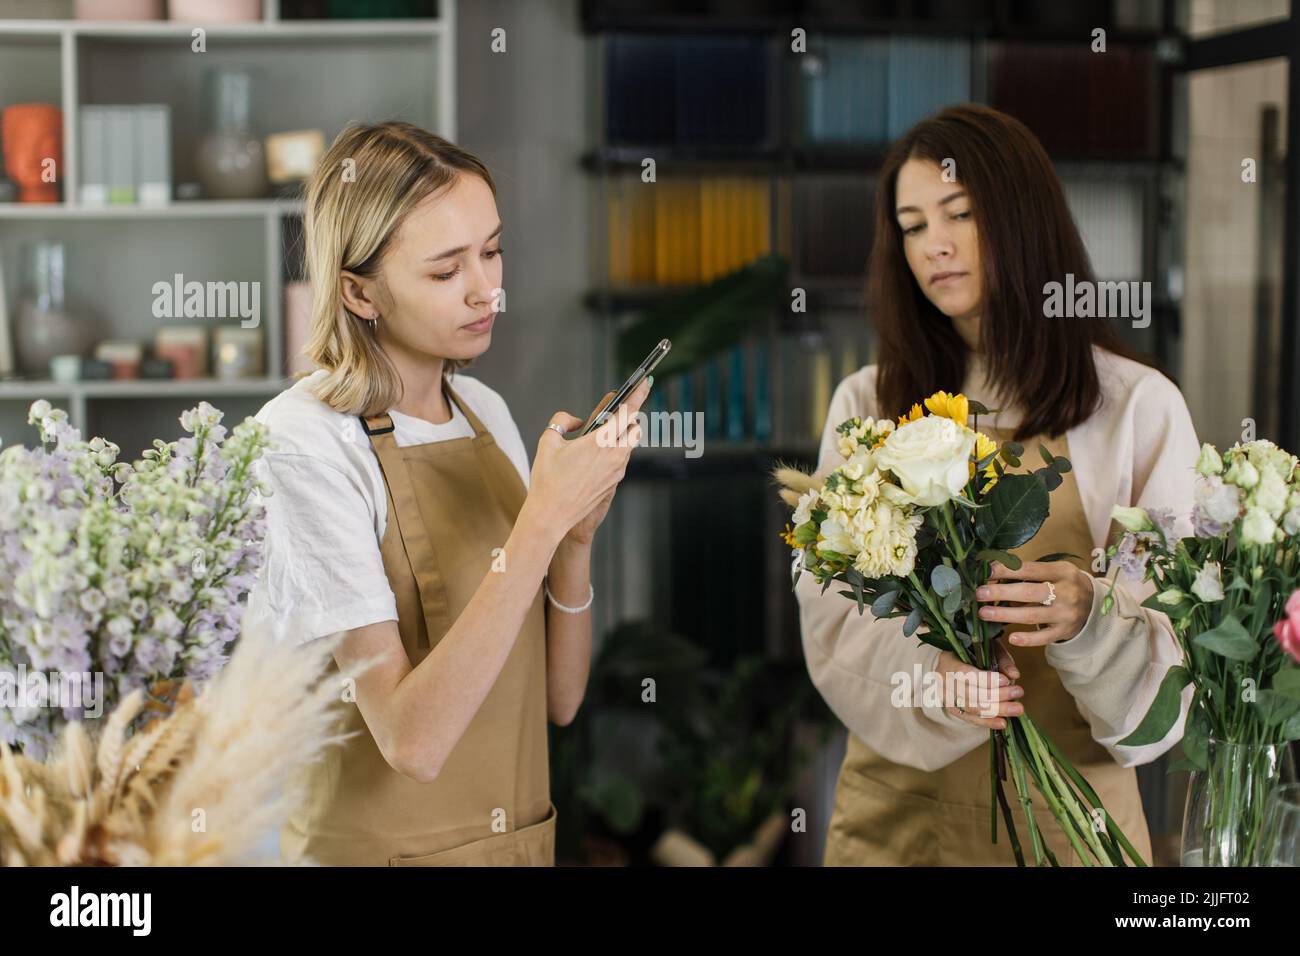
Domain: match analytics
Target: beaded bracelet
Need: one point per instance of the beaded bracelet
(569, 610)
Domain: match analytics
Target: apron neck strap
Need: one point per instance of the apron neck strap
(382, 424)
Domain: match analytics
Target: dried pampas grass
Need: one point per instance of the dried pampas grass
(201, 786)
(794, 482)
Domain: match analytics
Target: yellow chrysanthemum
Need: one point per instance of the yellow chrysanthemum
(944, 405)
(788, 536)
(990, 473)
(911, 416)
(984, 446)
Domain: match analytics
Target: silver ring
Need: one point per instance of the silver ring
(558, 430)
(1051, 594)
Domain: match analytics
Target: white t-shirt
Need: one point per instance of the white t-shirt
(322, 571)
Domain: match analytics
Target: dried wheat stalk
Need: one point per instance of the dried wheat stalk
(199, 786)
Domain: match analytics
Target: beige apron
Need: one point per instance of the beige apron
(450, 504)
(888, 814)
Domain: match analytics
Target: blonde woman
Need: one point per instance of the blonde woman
(404, 515)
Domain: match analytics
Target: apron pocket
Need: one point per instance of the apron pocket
(533, 845)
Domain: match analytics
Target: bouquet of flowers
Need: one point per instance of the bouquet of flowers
(133, 573)
(911, 522)
(1230, 592)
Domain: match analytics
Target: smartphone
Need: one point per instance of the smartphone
(645, 368)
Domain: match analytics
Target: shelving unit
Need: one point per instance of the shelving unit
(321, 74)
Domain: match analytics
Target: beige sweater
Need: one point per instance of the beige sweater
(1138, 448)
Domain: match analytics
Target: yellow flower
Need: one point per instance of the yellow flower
(911, 416)
(944, 405)
(984, 446)
(788, 536)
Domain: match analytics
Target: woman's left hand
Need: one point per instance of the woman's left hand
(584, 532)
(1061, 620)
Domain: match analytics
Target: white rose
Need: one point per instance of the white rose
(930, 458)
(1208, 585)
(1257, 528)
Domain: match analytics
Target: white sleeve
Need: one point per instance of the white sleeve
(854, 660)
(322, 571)
(1113, 667)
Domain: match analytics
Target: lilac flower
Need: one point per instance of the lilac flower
(1134, 552)
(97, 569)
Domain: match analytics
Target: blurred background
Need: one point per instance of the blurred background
(180, 160)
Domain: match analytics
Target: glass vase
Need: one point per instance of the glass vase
(1227, 802)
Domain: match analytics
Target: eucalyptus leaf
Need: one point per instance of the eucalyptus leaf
(944, 580)
(882, 605)
(913, 622)
(951, 602)
(1046, 455)
(1061, 464)
(977, 408)
(1051, 480)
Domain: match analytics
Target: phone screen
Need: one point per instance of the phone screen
(645, 368)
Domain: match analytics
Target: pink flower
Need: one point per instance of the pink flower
(1287, 630)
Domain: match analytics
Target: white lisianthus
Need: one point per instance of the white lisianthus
(1242, 473)
(1267, 457)
(1208, 585)
(930, 458)
(1270, 494)
(1132, 519)
(1222, 502)
(1257, 528)
(1171, 597)
(1209, 463)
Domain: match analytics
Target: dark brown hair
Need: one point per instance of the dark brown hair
(1027, 238)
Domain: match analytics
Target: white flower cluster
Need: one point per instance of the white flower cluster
(1256, 482)
(135, 571)
(872, 502)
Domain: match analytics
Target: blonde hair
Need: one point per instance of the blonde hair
(371, 177)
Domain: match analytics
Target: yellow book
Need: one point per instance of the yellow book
(642, 232)
(690, 243)
(617, 237)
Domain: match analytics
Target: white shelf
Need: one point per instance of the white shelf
(253, 30)
(141, 388)
(97, 61)
(178, 209)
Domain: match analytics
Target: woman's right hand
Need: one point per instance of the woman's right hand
(981, 698)
(571, 476)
